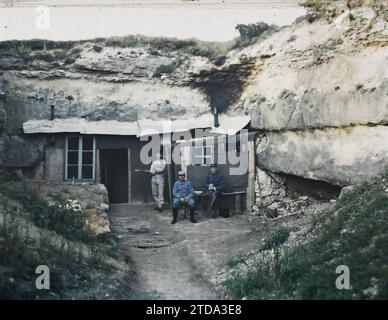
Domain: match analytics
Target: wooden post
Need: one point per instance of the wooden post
(98, 166)
(250, 201)
(106, 173)
(129, 177)
(237, 204)
(168, 157)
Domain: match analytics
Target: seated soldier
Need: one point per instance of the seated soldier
(183, 194)
(214, 185)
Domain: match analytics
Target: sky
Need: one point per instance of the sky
(205, 21)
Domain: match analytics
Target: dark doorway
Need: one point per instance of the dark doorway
(114, 174)
(140, 179)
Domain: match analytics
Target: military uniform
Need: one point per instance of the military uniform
(158, 168)
(217, 180)
(183, 189)
(214, 185)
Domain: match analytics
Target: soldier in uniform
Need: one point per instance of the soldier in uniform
(183, 194)
(214, 185)
(158, 168)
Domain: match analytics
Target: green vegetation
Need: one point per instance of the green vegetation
(165, 69)
(251, 33)
(51, 51)
(22, 251)
(20, 48)
(276, 238)
(44, 50)
(69, 51)
(313, 5)
(235, 261)
(211, 50)
(354, 233)
(60, 54)
(97, 48)
(215, 51)
(61, 218)
(48, 57)
(34, 232)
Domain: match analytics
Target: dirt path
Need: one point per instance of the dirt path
(179, 261)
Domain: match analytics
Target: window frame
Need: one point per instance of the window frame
(80, 159)
(206, 158)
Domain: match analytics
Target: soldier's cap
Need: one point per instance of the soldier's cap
(181, 173)
(213, 165)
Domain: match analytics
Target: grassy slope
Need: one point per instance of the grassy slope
(354, 233)
(32, 233)
(69, 51)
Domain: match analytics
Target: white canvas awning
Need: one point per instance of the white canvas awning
(228, 125)
(82, 126)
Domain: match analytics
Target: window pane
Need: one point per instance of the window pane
(87, 172)
(72, 157)
(87, 157)
(196, 155)
(72, 172)
(72, 143)
(87, 143)
(198, 151)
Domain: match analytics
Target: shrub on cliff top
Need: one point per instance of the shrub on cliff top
(313, 5)
(250, 33)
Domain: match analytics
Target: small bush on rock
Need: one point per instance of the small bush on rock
(61, 218)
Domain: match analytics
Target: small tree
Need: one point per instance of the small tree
(248, 31)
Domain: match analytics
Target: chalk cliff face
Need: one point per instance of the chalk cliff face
(124, 79)
(116, 83)
(317, 90)
(322, 74)
(320, 97)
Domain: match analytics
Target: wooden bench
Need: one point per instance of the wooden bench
(237, 195)
(238, 200)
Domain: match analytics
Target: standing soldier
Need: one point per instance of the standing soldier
(158, 168)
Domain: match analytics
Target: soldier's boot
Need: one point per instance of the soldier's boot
(192, 219)
(174, 215)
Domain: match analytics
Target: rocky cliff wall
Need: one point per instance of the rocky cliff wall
(339, 156)
(320, 97)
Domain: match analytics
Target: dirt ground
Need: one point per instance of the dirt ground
(179, 261)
